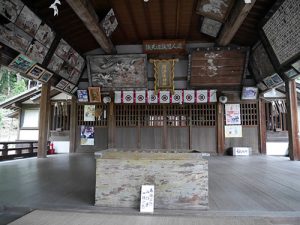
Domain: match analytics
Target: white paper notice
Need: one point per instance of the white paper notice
(147, 199)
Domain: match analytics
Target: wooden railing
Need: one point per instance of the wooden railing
(17, 149)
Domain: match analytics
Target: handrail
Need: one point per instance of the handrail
(11, 152)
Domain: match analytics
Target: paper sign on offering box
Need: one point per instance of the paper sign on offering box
(147, 199)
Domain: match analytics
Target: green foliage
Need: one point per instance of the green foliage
(11, 83)
(1, 118)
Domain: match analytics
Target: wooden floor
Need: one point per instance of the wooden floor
(257, 185)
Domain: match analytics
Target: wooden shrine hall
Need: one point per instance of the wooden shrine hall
(182, 108)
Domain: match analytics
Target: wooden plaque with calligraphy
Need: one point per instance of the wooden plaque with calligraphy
(164, 46)
(217, 67)
(164, 74)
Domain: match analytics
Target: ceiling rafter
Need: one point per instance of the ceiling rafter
(162, 16)
(132, 20)
(148, 18)
(87, 14)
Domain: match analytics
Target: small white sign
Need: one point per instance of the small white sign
(147, 199)
(241, 151)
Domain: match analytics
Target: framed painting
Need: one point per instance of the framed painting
(46, 76)
(10, 9)
(65, 70)
(296, 66)
(28, 21)
(82, 96)
(269, 82)
(95, 94)
(117, 71)
(276, 79)
(291, 73)
(69, 87)
(45, 35)
(74, 77)
(62, 84)
(109, 23)
(72, 57)
(55, 63)
(217, 10)
(86, 135)
(14, 37)
(249, 93)
(37, 51)
(80, 63)
(63, 49)
(36, 71)
(21, 63)
(210, 27)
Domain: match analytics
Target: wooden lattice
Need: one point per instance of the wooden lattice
(249, 114)
(203, 115)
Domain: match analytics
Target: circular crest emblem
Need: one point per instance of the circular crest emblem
(164, 97)
(140, 98)
(201, 97)
(128, 98)
(189, 97)
(176, 97)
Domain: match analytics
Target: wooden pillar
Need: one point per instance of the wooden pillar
(220, 129)
(190, 128)
(73, 125)
(292, 120)
(43, 121)
(111, 125)
(262, 127)
(165, 128)
(139, 145)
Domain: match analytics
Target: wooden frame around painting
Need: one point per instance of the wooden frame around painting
(28, 21)
(249, 93)
(11, 9)
(82, 96)
(21, 63)
(94, 94)
(269, 82)
(117, 71)
(217, 10)
(46, 76)
(36, 71)
(291, 73)
(62, 84)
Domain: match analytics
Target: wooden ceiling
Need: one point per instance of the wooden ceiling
(139, 20)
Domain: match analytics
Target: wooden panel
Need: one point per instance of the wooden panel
(126, 137)
(217, 67)
(178, 138)
(249, 139)
(204, 139)
(151, 138)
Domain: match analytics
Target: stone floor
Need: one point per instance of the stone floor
(262, 186)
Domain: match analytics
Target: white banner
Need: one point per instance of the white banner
(189, 96)
(152, 98)
(164, 96)
(118, 97)
(127, 96)
(177, 97)
(212, 96)
(140, 96)
(201, 96)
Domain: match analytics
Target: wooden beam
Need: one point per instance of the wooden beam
(262, 127)
(73, 125)
(220, 129)
(43, 121)
(87, 14)
(235, 20)
(292, 120)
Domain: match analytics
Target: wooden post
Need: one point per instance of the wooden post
(43, 121)
(5, 150)
(292, 120)
(31, 148)
(139, 135)
(73, 125)
(165, 128)
(262, 127)
(111, 126)
(220, 128)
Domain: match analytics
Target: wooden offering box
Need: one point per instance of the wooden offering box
(180, 179)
